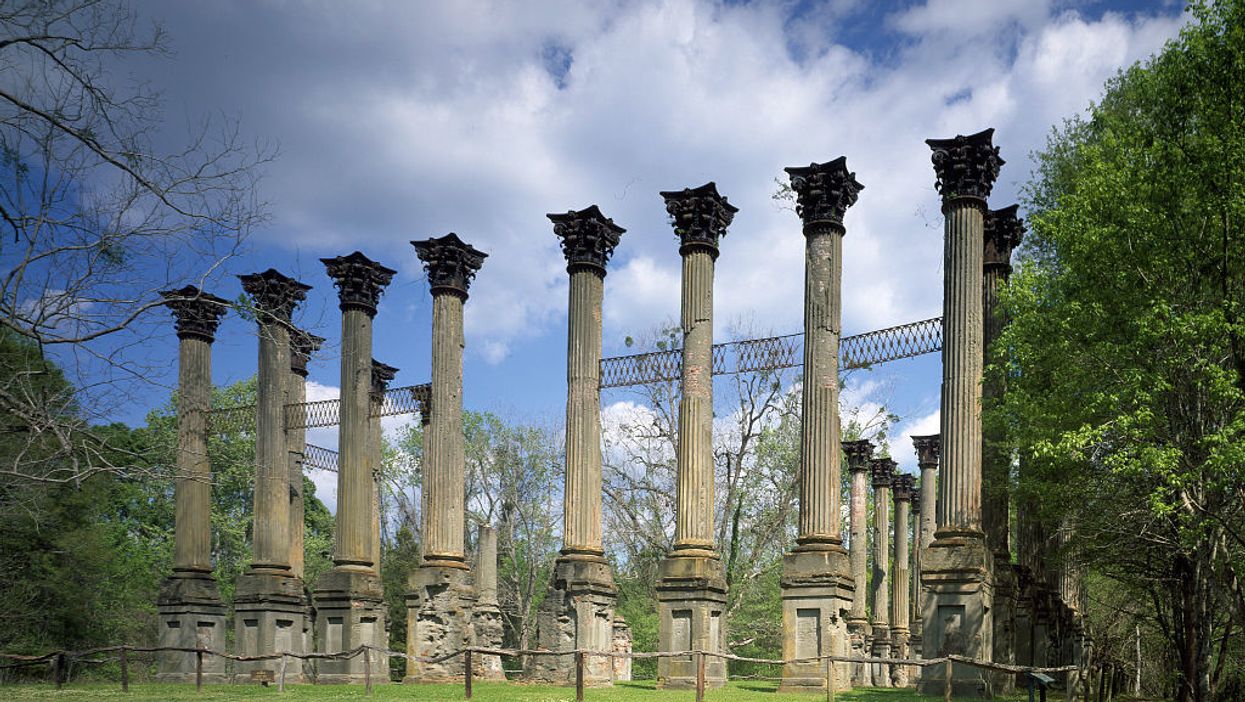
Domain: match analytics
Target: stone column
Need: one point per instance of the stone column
(958, 567)
(1003, 232)
(882, 471)
(190, 609)
(382, 374)
(904, 490)
(440, 597)
(622, 644)
(914, 586)
(858, 454)
(269, 602)
(691, 590)
(302, 345)
(487, 613)
(817, 584)
(925, 512)
(350, 599)
(578, 610)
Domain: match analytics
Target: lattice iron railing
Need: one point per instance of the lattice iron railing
(320, 457)
(410, 399)
(773, 353)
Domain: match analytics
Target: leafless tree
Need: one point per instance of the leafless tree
(96, 217)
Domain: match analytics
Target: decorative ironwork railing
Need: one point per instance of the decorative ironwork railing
(320, 457)
(409, 399)
(751, 355)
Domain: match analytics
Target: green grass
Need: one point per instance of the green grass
(638, 691)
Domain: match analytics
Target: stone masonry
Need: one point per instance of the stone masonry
(190, 610)
(882, 471)
(350, 607)
(578, 611)
(817, 584)
(302, 345)
(924, 511)
(903, 489)
(860, 637)
(691, 588)
(440, 596)
(958, 565)
(487, 613)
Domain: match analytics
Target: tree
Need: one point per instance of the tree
(96, 219)
(1127, 344)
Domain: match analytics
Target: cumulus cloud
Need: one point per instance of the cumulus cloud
(400, 121)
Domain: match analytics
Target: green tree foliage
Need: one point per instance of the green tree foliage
(1128, 344)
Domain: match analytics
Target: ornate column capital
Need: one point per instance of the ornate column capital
(927, 450)
(302, 344)
(824, 191)
(274, 293)
(916, 508)
(359, 281)
(1003, 233)
(196, 314)
(858, 453)
(382, 373)
(451, 264)
(966, 166)
(699, 216)
(588, 238)
(882, 471)
(904, 487)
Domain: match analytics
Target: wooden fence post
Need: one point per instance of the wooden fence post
(579, 676)
(281, 682)
(198, 670)
(700, 676)
(467, 673)
(829, 679)
(367, 670)
(946, 686)
(125, 669)
(58, 670)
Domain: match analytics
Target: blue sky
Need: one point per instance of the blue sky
(405, 120)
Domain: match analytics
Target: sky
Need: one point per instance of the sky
(407, 120)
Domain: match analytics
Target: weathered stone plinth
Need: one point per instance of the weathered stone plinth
(622, 644)
(691, 599)
(486, 617)
(577, 613)
(860, 643)
(268, 618)
(958, 611)
(439, 607)
(350, 609)
(817, 593)
(191, 616)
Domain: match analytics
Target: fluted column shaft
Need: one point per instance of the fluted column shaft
(582, 502)
(959, 490)
(900, 598)
(929, 502)
(881, 556)
(694, 520)
(819, 443)
(354, 475)
(192, 545)
(486, 567)
(444, 453)
(296, 447)
(995, 508)
(272, 473)
(859, 553)
(377, 442)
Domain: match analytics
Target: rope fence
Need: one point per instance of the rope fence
(60, 662)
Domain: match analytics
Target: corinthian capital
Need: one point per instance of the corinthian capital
(359, 280)
(1004, 231)
(699, 216)
(302, 344)
(588, 238)
(858, 453)
(196, 314)
(274, 293)
(382, 373)
(882, 471)
(824, 191)
(927, 448)
(451, 264)
(904, 487)
(966, 166)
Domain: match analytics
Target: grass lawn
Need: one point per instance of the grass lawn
(638, 691)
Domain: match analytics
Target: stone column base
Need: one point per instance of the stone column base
(901, 647)
(622, 644)
(957, 616)
(691, 599)
(191, 615)
(439, 606)
(577, 613)
(817, 591)
(860, 643)
(268, 618)
(350, 612)
(1006, 600)
(881, 649)
(486, 618)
